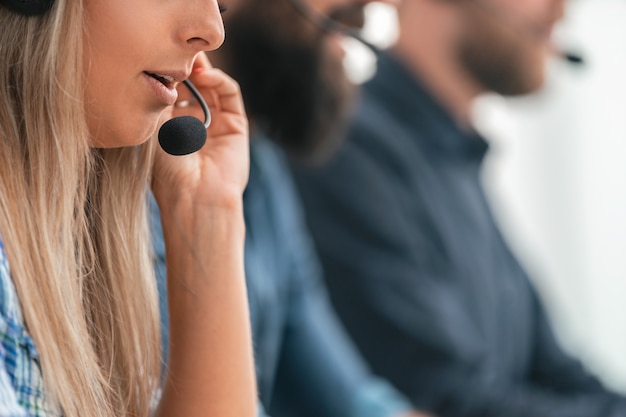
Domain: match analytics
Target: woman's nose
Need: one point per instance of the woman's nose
(203, 28)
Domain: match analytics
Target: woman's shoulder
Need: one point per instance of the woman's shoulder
(21, 384)
(9, 304)
(12, 328)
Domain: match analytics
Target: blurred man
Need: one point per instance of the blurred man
(416, 265)
(295, 93)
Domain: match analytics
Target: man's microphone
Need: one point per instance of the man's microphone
(328, 24)
(185, 134)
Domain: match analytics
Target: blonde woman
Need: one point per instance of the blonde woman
(84, 84)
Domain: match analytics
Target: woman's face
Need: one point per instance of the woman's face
(136, 52)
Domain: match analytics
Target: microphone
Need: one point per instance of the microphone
(573, 58)
(328, 24)
(185, 134)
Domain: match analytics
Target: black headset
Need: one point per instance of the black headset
(28, 7)
(327, 24)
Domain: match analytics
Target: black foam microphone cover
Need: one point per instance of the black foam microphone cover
(182, 135)
(574, 58)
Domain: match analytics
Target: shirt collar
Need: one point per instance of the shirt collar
(409, 100)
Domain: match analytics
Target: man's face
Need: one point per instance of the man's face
(504, 44)
(289, 70)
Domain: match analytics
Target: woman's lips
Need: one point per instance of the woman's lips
(163, 89)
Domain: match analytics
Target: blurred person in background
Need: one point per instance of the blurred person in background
(296, 96)
(416, 265)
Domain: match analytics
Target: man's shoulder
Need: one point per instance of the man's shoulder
(377, 138)
(269, 169)
(271, 181)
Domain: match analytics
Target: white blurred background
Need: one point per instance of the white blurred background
(556, 175)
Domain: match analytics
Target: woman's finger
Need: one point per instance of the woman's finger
(220, 90)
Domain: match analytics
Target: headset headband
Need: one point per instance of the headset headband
(28, 7)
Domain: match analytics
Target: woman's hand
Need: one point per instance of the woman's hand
(218, 173)
(210, 368)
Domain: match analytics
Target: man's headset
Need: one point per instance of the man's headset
(178, 136)
(526, 27)
(328, 24)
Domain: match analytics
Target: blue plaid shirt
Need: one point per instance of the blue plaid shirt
(21, 384)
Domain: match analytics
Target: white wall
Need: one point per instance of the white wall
(557, 176)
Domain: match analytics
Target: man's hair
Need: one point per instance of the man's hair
(294, 89)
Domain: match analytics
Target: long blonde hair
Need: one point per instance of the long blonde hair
(74, 223)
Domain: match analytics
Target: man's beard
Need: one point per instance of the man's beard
(501, 58)
(294, 90)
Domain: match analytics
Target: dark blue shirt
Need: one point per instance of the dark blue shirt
(306, 366)
(420, 274)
